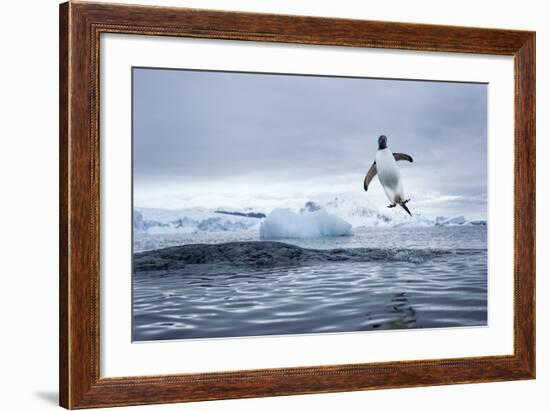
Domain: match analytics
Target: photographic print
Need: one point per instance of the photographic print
(276, 204)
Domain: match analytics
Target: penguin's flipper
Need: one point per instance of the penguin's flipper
(401, 156)
(370, 175)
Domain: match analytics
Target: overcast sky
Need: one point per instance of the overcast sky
(236, 139)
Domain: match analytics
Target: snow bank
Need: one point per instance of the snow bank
(283, 223)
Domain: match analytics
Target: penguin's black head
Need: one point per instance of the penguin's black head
(382, 142)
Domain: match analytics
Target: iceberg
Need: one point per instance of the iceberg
(478, 222)
(283, 223)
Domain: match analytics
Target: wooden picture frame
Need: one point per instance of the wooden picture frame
(80, 27)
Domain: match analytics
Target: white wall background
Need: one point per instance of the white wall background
(28, 204)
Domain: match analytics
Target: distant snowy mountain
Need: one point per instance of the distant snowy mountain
(158, 221)
(365, 215)
(351, 211)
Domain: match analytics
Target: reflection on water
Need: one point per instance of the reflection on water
(224, 300)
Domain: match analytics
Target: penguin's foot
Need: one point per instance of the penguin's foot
(406, 201)
(392, 205)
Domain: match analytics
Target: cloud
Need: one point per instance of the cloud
(437, 198)
(209, 135)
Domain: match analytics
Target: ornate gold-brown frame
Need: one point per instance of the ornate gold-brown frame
(80, 27)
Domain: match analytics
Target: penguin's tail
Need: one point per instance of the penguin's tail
(402, 204)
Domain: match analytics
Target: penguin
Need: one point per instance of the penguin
(385, 165)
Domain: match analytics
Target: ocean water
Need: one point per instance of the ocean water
(375, 279)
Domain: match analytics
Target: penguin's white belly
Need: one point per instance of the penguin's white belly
(389, 176)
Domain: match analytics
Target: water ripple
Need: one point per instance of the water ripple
(449, 289)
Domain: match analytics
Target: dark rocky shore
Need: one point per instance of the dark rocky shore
(269, 254)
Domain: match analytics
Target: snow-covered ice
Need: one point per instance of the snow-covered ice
(284, 223)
